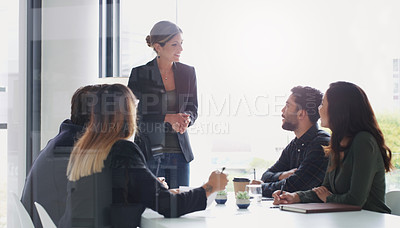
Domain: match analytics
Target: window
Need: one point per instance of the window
(248, 60)
(109, 42)
(396, 65)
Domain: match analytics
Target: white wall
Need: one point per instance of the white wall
(16, 109)
(70, 40)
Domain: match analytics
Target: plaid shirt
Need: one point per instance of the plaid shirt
(304, 153)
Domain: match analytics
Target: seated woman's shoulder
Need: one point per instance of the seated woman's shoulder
(365, 138)
(363, 135)
(126, 154)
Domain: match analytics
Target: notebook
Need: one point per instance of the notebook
(318, 207)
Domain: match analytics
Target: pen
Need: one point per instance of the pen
(223, 168)
(283, 185)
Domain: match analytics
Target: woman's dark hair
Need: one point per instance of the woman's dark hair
(161, 33)
(308, 99)
(82, 102)
(350, 112)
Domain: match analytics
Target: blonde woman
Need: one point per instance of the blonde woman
(109, 180)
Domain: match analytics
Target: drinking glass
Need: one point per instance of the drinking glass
(254, 191)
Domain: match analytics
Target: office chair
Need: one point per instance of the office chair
(44, 217)
(23, 216)
(393, 201)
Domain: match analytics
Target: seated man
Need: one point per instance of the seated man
(302, 164)
(46, 182)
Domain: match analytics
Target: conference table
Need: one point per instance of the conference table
(264, 214)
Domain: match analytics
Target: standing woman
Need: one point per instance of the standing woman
(358, 156)
(167, 91)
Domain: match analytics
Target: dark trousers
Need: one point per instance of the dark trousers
(173, 167)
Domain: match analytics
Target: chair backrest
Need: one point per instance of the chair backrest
(393, 201)
(44, 217)
(24, 218)
(89, 200)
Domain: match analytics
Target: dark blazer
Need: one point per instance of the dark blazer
(146, 83)
(119, 193)
(46, 182)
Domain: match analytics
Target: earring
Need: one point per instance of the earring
(158, 56)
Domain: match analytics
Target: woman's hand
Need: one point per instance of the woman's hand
(179, 121)
(163, 182)
(174, 190)
(216, 182)
(185, 125)
(285, 197)
(322, 192)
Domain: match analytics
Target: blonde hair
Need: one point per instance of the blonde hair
(113, 118)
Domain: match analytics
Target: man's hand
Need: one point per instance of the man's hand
(322, 193)
(287, 174)
(256, 182)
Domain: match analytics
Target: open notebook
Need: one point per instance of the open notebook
(318, 207)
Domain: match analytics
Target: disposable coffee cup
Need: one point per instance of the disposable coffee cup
(239, 184)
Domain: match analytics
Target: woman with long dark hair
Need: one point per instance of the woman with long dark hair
(358, 155)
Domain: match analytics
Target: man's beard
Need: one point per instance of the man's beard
(290, 126)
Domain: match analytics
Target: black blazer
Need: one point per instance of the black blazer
(117, 196)
(146, 83)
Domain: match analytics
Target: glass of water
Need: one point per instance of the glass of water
(254, 191)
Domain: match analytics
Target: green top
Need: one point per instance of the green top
(359, 180)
